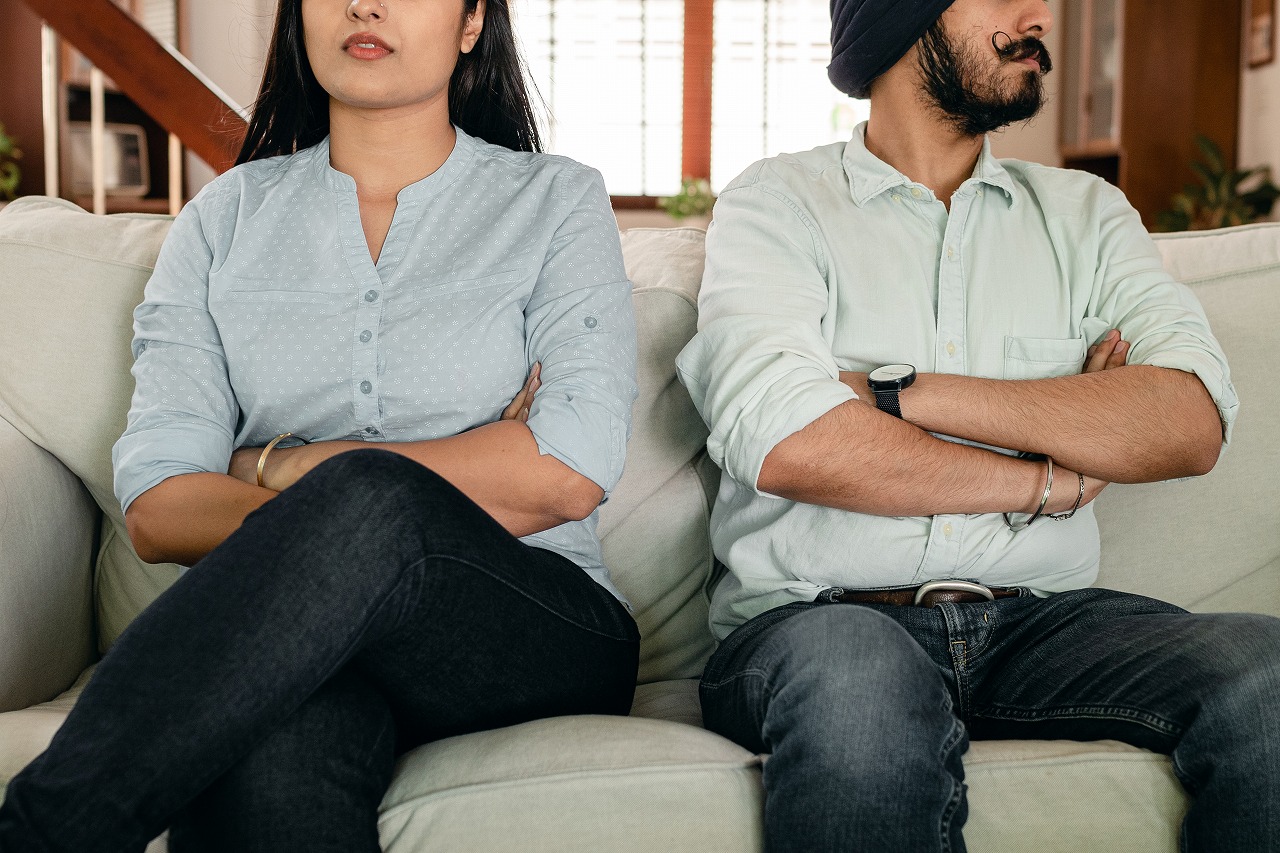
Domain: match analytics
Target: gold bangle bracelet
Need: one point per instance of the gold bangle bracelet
(262, 460)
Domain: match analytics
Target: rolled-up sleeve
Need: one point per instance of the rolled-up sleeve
(183, 414)
(1160, 318)
(759, 368)
(579, 323)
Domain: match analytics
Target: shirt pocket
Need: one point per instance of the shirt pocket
(1041, 358)
(274, 291)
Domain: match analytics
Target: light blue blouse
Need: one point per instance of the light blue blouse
(266, 314)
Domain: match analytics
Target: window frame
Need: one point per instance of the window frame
(696, 109)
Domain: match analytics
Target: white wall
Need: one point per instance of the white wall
(1260, 120)
(1037, 140)
(227, 41)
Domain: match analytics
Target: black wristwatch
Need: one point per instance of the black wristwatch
(885, 382)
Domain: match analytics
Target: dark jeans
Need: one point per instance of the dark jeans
(867, 709)
(259, 704)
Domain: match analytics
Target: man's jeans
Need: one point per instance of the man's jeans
(867, 709)
(260, 703)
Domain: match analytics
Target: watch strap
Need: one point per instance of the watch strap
(887, 401)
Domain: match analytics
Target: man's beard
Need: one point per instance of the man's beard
(954, 82)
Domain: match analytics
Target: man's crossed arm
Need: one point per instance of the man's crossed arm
(1110, 423)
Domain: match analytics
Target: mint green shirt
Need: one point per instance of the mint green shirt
(832, 260)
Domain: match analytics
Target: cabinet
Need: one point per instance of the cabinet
(20, 108)
(1141, 79)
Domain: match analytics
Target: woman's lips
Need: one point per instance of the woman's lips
(366, 46)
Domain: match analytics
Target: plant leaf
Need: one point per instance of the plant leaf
(1212, 153)
(1207, 178)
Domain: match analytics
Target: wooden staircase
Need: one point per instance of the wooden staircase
(159, 80)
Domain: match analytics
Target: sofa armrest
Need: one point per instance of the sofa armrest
(48, 526)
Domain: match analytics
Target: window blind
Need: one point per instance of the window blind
(611, 74)
(770, 91)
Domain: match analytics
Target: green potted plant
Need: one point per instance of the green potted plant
(694, 199)
(1223, 197)
(10, 173)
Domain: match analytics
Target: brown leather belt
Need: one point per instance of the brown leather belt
(926, 595)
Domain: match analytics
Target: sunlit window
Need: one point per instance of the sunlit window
(612, 74)
(770, 91)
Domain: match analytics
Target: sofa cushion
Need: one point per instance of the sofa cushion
(1065, 797)
(46, 593)
(26, 733)
(586, 783)
(576, 783)
(655, 526)
(67, 387)
(650, 782)
(1192, 542)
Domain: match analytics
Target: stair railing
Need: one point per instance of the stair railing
(162, 82)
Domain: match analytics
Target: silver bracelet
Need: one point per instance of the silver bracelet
(1044, 499)
(1063, 516)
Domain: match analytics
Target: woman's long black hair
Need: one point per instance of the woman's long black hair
(488, 97)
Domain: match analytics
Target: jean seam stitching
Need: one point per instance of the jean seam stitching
(957, 787)
(1107, 712)
(493, 576)
(1181, 774)
(960, 666)
(738, 676)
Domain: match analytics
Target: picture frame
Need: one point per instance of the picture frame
(1260, 33)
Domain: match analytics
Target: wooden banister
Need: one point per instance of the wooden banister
(158, 79)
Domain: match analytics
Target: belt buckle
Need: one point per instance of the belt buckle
(952, 586)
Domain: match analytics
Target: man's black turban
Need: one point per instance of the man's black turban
(869, 36)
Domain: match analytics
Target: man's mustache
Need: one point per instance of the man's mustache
(1027, 48)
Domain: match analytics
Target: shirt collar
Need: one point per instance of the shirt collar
(990, 171)
(454, 166)
(869, 176)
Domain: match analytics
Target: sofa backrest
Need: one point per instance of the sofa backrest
(65, 361)
(1213, 543)
(655, 526)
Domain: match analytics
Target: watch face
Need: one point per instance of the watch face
(891, 373)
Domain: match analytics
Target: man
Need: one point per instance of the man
(998, 307)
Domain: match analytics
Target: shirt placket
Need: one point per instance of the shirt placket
(366, 329)
(943, 555)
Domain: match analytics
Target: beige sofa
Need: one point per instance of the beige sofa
(69, 581)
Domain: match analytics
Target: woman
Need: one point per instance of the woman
(372, 274)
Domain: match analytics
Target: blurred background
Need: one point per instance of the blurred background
(1177, 102)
